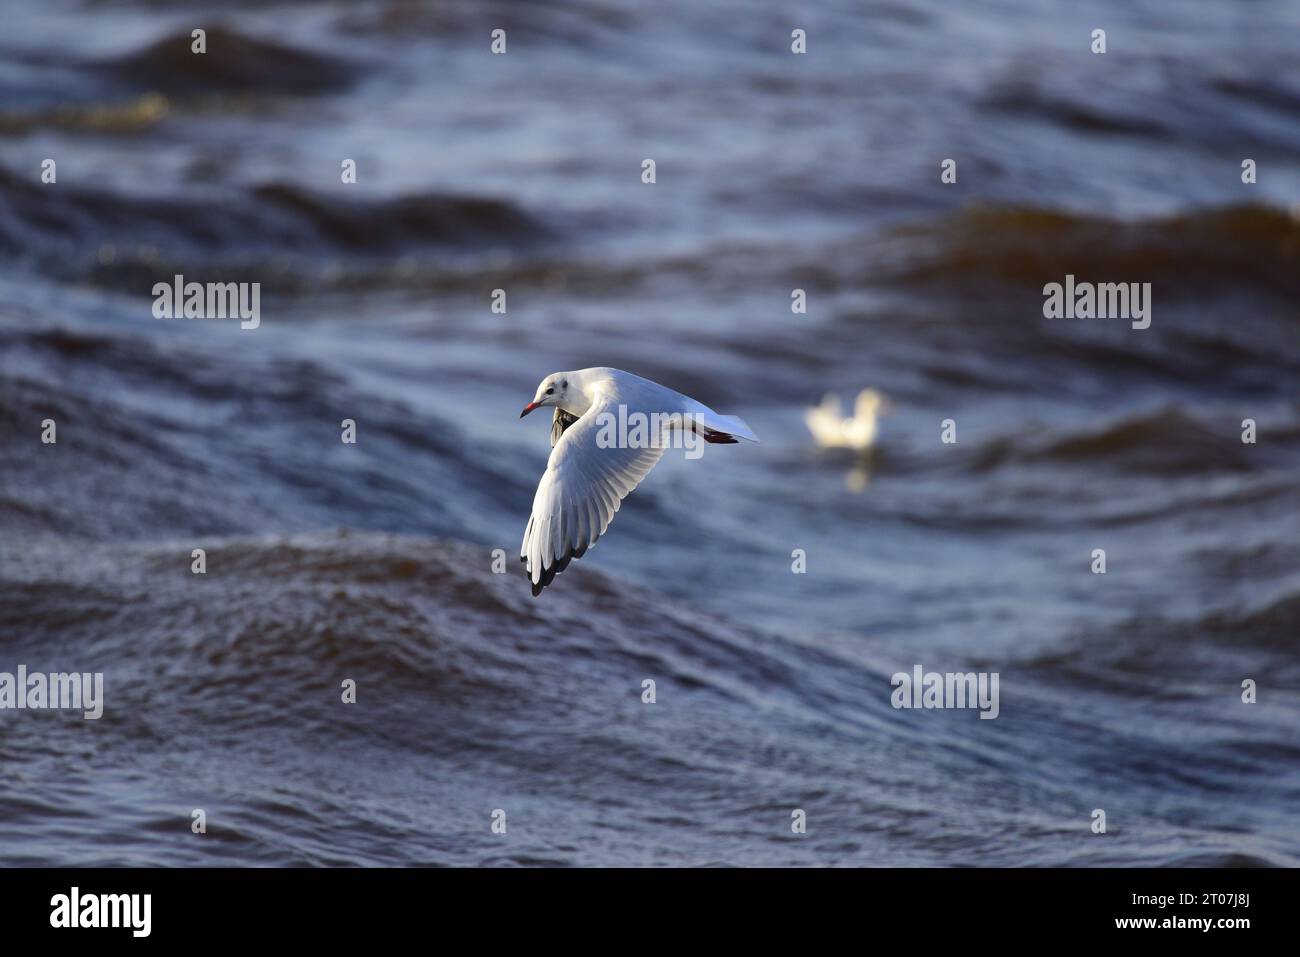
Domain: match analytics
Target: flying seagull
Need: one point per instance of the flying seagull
(609, 429)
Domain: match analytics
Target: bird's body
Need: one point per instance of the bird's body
(608, 431)
(832, 430)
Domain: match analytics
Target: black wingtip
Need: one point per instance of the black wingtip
(548, 574)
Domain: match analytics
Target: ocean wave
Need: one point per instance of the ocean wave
(119, 239)
(1234, 247)
(1166, 441)
(233, 63)
(128, 433)
(1175, 100)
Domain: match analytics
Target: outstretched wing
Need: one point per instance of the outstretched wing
(582, 488)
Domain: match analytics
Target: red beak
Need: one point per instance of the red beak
(528, 408)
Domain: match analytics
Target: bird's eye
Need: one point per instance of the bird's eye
(550, 390)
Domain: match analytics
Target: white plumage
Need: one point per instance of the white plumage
(832, 430)
(588, 476)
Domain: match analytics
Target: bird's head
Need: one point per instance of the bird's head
(870, 402)
(554, 390)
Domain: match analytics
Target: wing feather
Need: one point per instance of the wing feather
(581, 489)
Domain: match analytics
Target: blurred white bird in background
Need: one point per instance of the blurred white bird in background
(833, 431)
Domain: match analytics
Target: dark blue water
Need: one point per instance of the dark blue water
(374, 562)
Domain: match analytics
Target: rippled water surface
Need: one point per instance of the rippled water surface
(522, 172)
